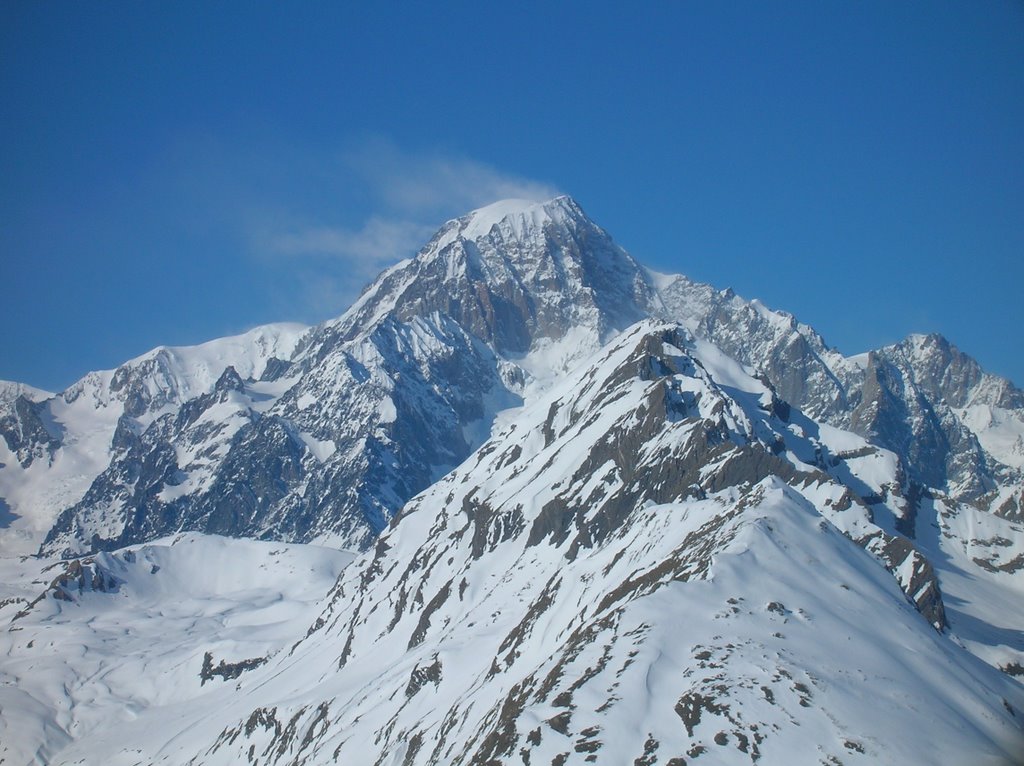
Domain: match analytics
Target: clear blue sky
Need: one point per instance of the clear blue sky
(174, 172)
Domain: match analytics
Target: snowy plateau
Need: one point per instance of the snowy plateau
(524, 502)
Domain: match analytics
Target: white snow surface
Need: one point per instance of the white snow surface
(519, 214)
(9, 391)
(193, 370)
(1000, 431)
(87, 666)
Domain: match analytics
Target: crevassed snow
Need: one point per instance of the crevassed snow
(34, 495)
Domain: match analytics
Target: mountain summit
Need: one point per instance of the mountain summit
(515, 273)
(520, 215)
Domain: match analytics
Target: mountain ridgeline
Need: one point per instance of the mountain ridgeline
(603, 515)
(326, 433)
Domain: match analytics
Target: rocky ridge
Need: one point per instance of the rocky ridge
(502, 300)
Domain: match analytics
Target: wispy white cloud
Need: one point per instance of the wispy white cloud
(378, 242)
(309, 219)
(427, 184)
(412, 195)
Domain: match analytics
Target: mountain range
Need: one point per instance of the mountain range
(595, 514)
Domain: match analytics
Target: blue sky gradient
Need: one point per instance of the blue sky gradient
(173, 173)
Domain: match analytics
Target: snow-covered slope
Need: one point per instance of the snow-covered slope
(631, 570)
(10, 391)
(93, 643)
(325, 449)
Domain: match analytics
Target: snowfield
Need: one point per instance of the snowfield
(129, 637)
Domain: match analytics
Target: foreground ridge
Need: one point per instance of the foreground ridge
(642, 563)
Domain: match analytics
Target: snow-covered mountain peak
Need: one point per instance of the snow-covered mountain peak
(9, 391)
(516, 211)
(514, 273)
(57, 445)
(524, 222)
(520, 216)
(944, 371)
(922, 340)
(248, 352)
